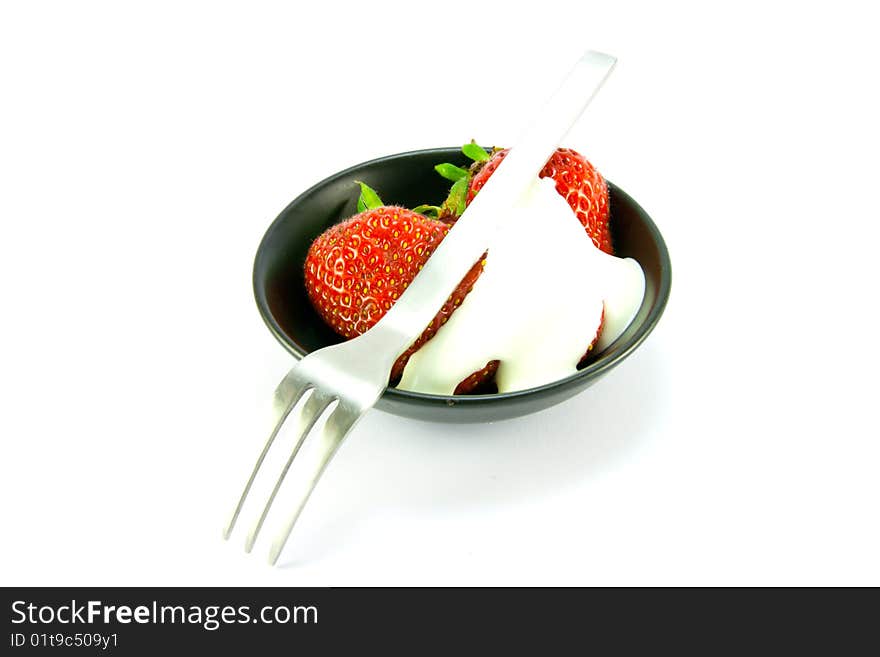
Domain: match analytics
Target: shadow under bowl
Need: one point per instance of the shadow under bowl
(409, 179)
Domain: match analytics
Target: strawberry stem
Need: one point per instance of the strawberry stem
(455, 203)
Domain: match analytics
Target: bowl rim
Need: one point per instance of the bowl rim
(591, 371)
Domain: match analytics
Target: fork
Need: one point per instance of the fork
(354, 374)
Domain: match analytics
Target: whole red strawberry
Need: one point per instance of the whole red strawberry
(357, 269)
(577, 181)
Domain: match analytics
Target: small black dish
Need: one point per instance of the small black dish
(409, 179)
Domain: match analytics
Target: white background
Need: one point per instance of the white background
(144, 150)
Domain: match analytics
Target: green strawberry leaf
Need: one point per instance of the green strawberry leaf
(455, 203)
(369, 199)
(432, 211)
(475, 152)
(451, 172)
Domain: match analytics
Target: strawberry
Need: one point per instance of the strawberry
(577, 181)
(356, 270)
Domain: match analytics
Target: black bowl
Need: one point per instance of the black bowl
(409, 179)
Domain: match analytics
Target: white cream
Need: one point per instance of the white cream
(537, 305)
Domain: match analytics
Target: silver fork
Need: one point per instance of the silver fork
(354, 374)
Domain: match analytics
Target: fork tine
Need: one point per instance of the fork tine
(316, 404)
(287, 394)
(338, 425)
